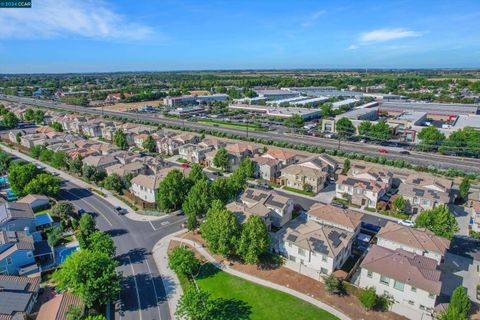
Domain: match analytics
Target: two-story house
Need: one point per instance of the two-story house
(425, 192)
(193, 152)
(100, 162)
(413, 281)
(17, 253)
(15, 216)
(18, 296)
(132, 168)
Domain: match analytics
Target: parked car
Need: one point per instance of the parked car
(382, 151)
(338, 204)
(121, 210)
(81, 211)
(405, 152)
(186, 165)
(407, 223)
(264, 186)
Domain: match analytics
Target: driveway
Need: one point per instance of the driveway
(463, 219)
(459, 270)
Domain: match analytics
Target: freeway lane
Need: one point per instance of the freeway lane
(418, 158)
(143, 294)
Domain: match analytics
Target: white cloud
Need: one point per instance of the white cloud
(381, 35)
(313, 18)
(352, 47)
(56, 19)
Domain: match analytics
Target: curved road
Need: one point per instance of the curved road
(419, 158)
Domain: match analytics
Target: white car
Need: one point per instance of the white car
(407, 223)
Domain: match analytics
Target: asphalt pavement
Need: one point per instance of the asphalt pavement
(143, 294)
(418, 158)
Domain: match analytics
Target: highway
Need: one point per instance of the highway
(417, 158)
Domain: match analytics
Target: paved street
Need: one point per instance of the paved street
(419, 158)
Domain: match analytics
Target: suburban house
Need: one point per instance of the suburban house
(124, 157)
(36, 201)
(12, 134)
(153, 165)
(329, 215)
(363, 186)
(212, 143)
(285, 157)
(474, 208)
(17, 253)
(18, 296)
(144, 187)
(310, 174)
(100, 162)
(168, 146)
(422, 242)
(35, 139)
(91, 130)
(116, 97)
(236, 153)
(132, 168)
(103, 148)
(425, 192)
(267, 168)
(193, 152)
(16, 216)
(185, 138)
(412, 280)
(242, 212)
(81, 152)
(277, 207)
(108, 133)
(313, 249)
(139, 139)
(62, 146)
(57, 308)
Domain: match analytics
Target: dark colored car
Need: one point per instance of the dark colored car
(338, 205)
(405, 152)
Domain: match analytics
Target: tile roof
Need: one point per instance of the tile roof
(371, 185)
(329, 214)
(415, 270)
(422, 239)
(56, 308)
(280, 154)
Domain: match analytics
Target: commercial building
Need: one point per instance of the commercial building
(275, 94)
(281, 112)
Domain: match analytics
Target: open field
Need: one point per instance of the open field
(254, 301)
(233, 125)
(127, 106)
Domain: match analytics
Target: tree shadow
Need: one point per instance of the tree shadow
(207, 270)
(136, 255)
(270, 261)
(116, 232)
(147, 285)
(231, 309)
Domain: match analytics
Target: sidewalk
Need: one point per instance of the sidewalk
(259, 281)
(109, 197)
(173, 290)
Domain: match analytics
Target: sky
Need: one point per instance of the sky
(59, 36)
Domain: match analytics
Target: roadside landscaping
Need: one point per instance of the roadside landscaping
(305, 193)
(254, 127)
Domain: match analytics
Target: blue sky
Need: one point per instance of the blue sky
(117, 35)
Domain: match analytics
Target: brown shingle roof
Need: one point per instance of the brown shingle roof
(57, 308)
(338, 216)
(280, 154)
(418, 271)
(422, 239)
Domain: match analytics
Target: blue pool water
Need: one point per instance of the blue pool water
(3, 179)
(66, 252)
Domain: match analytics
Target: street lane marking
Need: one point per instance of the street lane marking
(136, 288)
(166, 224)
(154, 289)
(91, 205)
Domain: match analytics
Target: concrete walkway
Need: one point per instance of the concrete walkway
(260, 281)
(109, 197)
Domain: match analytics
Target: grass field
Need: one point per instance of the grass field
(305, 193)
(234, 125)
(247, 300)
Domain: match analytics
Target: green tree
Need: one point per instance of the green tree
(345, 128)
(221, 230)
(20, 174)
(10, 120)
(364, 128)
(221, 158)
(197, 203)
(59, 160)
(196, 174)
(86, 227)
(75, 165)
(46, 155)
(183, 261)
(73, 313)
(380, 131)
(64, 210)
(346, 166)
(18, 137)
(43, 183)
(57, 126)
(54, 236)
(459, 306)
(39, 117)
(114, 182)
(35, 151)
(368, 298)
(89, 172)
(222, 190)
(120, 139)
(464, 188)
(248, 168)
(334, 285)
(399, 203)
(295, 121)
(149, 144)
(28, 115)
(195, 304)
(100, 241)
(172, 191)
(254, 240)
(430, 138)
(439, 220)
(327, 110)
(90, 275)
(5, 160)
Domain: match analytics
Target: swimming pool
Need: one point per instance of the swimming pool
(11, 196)
(3, 180)
(65, 253)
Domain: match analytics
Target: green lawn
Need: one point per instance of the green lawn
(306, 193)
(255, 301)
(234, 125)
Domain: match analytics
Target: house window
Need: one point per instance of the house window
(426, 202)
(9, 260)
(416, 200)
(399, 285)
(324, 270)
(324, 258)
(431, 295)
(370, 203)
(292, 258)
(385, 280)
(413, 289)
(369, 274)
(301, 252)
(410, 302)
(340, 187)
